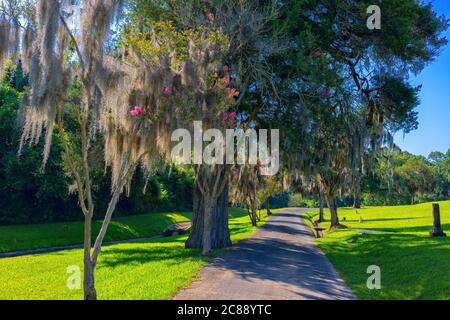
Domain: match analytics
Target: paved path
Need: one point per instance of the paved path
(279, 262)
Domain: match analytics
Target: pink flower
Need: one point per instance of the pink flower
(227, 79)
(228, 90)
(229, 116)
(137, 111)
(327, 93)
(226, 68)
(168, 90)
(235, 93)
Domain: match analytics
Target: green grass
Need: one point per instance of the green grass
(413, 265)
(154, 269)
(26, 237)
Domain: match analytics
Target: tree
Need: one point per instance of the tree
(107, 87)
(167, 29)
(349, 85)
(245, 191)
(441, 168)
(270, 188)
(416, 176)
(397, 177)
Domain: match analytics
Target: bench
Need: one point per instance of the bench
(319, 231)
(177, 229)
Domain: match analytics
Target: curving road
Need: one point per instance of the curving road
(279, 262)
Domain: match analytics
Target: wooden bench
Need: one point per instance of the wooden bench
(319, 231)
(177, 229)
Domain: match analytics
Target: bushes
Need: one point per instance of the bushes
(170, 190)
(297, 200)
(28, 195)
(280, 200)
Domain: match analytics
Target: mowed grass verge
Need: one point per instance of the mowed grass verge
(413, 265)
(152, 270)
(39, 236)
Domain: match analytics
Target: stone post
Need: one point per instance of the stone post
(437, 228)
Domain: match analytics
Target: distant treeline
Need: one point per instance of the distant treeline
(395, 178)
(398, 178)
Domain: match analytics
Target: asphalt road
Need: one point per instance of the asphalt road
(279, 262)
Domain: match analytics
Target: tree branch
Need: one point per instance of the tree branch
(72, 166)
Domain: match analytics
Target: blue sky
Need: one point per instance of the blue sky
(434, 112)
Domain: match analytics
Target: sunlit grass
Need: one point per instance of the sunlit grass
(38, 236)
(413, 265)
(154, 269)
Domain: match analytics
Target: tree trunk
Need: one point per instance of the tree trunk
(258, 215)
(253, 217)
(210, 204)
(89, 283)
(219, 234)
(357, 191)
(321, 214)
(357, 196)
(269, 213)
(334, 214)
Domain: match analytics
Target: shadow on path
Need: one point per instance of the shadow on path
(279, 262)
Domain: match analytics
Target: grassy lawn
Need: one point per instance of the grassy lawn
(154, 269)
(24, 237)
(413, 265)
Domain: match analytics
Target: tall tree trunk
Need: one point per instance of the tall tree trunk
(357, 203)
(334, 214)
(321, 213)
(218, 224)
(210, 204)
(89, 282)
(252, 216)
(357, 195)
(269, 213)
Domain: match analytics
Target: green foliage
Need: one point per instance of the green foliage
(401, 178)
(270, 187)
(167, 40)
(344, 88)
(416, 176)
(171, 189)
(279, 200)
(27, 193)
(297, 200)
